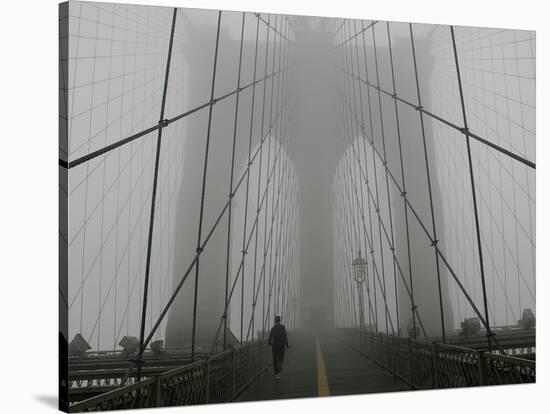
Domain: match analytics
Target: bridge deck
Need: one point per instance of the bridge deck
(346, 372)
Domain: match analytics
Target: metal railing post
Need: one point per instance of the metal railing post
(381, 351)
(435, 366)
(257, 358)
(249, 364)
(394, 356)
(482, 366)
(158, 397)
(409, 357)
(207, 397)
(233, 373)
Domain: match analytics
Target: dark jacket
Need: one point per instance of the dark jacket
(277, 336)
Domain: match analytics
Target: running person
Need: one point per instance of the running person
(278, 340)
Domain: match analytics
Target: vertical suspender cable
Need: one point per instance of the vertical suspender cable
(385, 162)
(153, 199)
(203, 191)
(434, 232)
(248, 170)
(404, 193)
(474, 198)
(230, 195)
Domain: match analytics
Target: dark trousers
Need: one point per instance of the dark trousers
(278, 357)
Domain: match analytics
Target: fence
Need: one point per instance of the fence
(219, 378)
(429, 365)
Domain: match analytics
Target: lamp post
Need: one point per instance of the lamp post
(359, 271)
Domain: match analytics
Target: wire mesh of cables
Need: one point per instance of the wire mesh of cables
(159, 106)
(437, 186)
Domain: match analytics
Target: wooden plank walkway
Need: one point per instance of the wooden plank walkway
(346, 371)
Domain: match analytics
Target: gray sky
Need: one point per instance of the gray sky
(117, 58)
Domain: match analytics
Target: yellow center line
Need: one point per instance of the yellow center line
(324, 389)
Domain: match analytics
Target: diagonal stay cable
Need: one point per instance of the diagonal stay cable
(163, 123)
(377, 203)
(258, 15)
(407, 287)
(427, 233)
(357, 33)
(448, 123)
(428, 179)
(203, 186)
(232, 174)
(243, 251)
(186, 274)
(241, 264)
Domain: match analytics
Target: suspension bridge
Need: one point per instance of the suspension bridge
(371, 182)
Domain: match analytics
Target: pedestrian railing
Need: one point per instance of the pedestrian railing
(428, 365)
(219, 378)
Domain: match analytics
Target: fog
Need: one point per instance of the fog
(273, 222)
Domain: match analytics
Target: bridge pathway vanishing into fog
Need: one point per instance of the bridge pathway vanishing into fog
(372, 183)
(321, 364)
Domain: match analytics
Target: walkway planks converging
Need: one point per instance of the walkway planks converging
(320, 364)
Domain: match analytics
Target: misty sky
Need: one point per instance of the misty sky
(116, 69)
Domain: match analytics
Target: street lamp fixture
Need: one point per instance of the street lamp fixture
(359, 274)
(359, 268)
